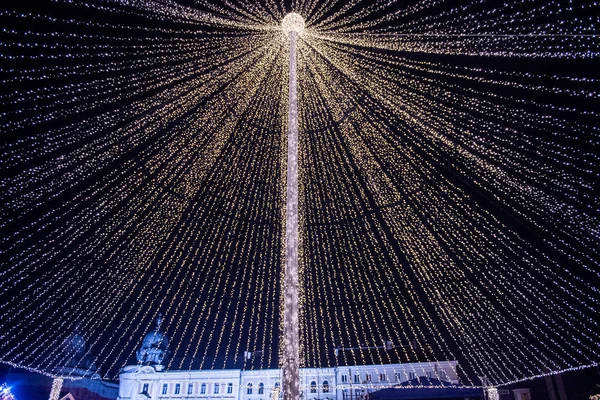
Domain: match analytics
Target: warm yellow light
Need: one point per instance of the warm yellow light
(293, 22)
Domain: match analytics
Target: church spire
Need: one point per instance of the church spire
(159, 321)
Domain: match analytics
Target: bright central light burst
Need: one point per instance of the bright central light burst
(293, 22)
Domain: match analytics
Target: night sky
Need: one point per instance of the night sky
(449, 171)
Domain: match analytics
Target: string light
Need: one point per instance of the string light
(448, 189)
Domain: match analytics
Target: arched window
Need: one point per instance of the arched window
(313, 387)
(203, 388)
(249, 390)
(261, 388)
(276, 385)
(325, 387)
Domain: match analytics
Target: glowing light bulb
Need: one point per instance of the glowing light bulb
(293, 22)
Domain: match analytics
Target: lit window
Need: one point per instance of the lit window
(216, 388)
(190, 388)
(145, 388)
(325, 387)
(357, 378)
(261, 388)
(249, 390)
(165, 388)
(230, 388)
(203, 388)
(313, 387)
(344, 378)
(177, 388)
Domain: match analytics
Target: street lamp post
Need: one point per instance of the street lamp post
(57, 384)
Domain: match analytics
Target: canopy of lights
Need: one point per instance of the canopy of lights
(449, 155)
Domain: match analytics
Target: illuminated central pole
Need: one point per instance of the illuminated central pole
(292, 25)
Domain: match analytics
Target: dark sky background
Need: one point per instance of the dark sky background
(141, 176)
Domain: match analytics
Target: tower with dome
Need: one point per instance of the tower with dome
(79, 360)
(154, 348)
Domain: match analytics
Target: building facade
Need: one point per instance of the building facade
(338, 383)
(149, 379)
